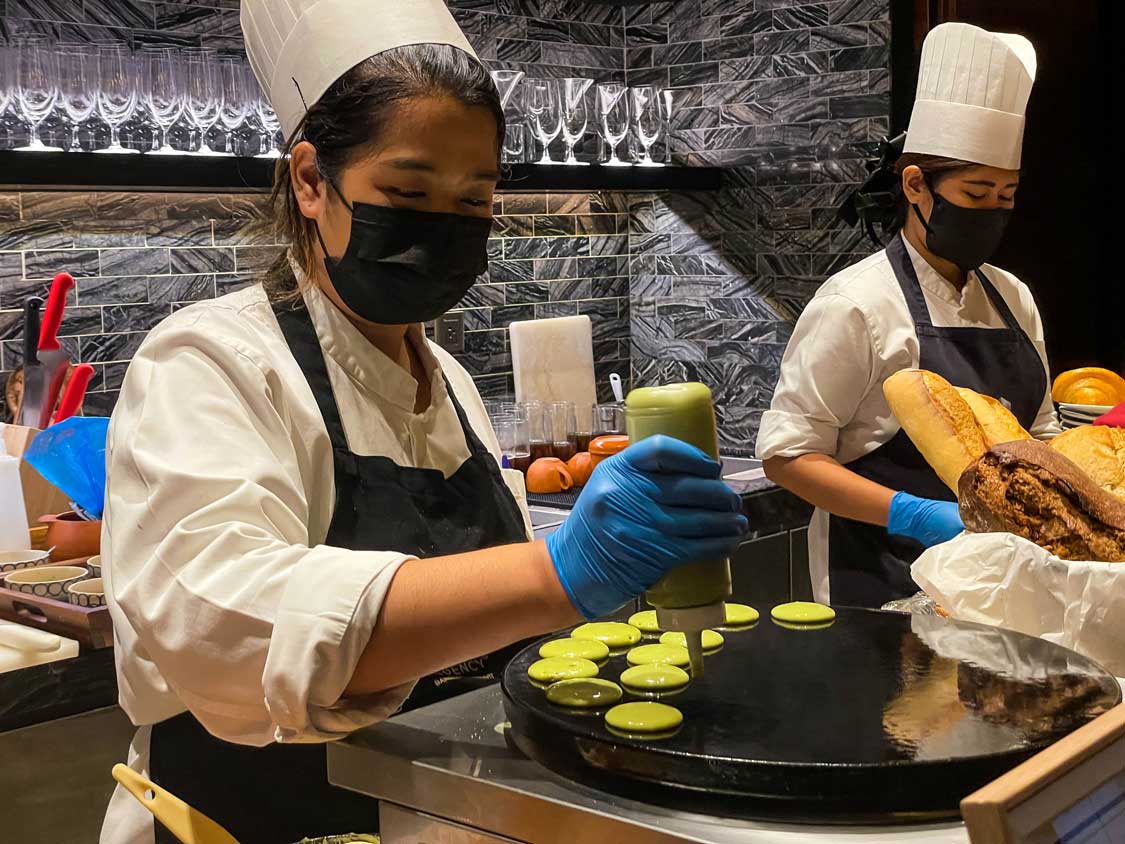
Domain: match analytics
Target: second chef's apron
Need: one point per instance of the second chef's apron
(867, 567)
(280, 793)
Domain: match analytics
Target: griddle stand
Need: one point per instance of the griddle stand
(445, 775)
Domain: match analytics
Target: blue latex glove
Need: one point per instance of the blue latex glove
(656, 505)
(929, 522)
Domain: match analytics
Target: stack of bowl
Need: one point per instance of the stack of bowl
(27, 572)
(1077, 415)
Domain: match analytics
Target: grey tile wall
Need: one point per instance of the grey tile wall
(789, 95)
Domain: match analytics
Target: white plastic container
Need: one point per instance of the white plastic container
(13, 518)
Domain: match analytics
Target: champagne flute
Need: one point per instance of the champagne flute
(546, 115)
(37, 89)
(162, 79)
(647, 120)
(575, 115)
(613, 110)
(271, 126)
(203, 96)
(117, 91)
(236, 99)
(7, 77)
(78, 75)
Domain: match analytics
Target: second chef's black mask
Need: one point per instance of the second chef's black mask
(403, 266)
(966, 236)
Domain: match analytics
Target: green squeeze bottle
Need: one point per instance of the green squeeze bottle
(690, 598)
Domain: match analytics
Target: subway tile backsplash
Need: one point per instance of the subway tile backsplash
(787, 95)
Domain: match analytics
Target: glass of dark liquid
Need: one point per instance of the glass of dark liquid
(511, 433)
(538, 429)
(561, 422)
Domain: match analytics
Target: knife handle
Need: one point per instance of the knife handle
(52, 319)
(32, 308)
(75, 392)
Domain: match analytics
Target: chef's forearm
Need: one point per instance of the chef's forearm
(443, 610)
(825, 483)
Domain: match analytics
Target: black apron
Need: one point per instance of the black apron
(867, 566)
(280, 793)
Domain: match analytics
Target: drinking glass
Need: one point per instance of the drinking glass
(78, 74)
(575, 114)
(613, 111)
(203, 96)
(270, 126)
(511, 92)
(538, 431)
(563, 429)
(545, 113)
(236, 98)
(117, 91)
(511, 434)
(609, 419)
(584, 426)
(647, 120)
(7, 77)
(667, 105)
(37, 85)
(162, 81)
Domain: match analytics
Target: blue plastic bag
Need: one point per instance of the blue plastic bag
(71, 455)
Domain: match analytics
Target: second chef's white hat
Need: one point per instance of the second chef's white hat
(298, 48)
(973, 87)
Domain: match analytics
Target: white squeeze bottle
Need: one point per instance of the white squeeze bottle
(13, 517)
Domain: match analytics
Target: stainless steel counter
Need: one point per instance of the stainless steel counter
(446, 774)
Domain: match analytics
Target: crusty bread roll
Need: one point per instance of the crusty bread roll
(1089, 385)
(997, 423)
(1029, 489)
(1099, 451)
(938, 420)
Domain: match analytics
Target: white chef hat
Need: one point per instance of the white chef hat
(298, 48)
(973, 87)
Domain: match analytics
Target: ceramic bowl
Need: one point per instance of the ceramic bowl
(94, 564)
(86, 593)
(12, 560)
(45, 581)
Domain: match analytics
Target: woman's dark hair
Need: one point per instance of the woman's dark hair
(879, 202)
(349, 119)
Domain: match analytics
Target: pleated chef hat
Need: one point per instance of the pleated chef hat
(973, 87)
(298, 48)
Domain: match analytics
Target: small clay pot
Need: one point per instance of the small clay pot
(72, 536)
(605, 446)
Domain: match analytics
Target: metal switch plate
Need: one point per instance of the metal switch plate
(449, 332)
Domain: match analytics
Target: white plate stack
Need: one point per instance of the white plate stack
(1077, 415)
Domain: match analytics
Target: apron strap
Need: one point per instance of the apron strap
(300, 335)
(998, 302)
(908, 281)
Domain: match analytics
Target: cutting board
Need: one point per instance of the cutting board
(39, 495)
(553, 360)
(22, 647)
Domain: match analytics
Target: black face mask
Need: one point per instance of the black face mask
(966, 236)
(405, 266)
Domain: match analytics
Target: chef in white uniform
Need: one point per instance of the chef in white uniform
(927, 300)
(306, 525)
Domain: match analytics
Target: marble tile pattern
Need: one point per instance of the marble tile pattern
(138, 257)
(790, 96)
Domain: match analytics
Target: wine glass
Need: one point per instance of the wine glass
(78, 75)
(7, 77)
(613, 111)
(546, 115)
(236, 98)
(37, 86)
(117, 91)
(575, 115)
(268, 118)
(204, 98)
(162, 79)
(507, 83)
(647, 120)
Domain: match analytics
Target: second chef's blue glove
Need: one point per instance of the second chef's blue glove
(656, 505)
(924, 519)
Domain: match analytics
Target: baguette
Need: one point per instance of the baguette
(997, 423)
(938, 420)
(1099, 451)
(1030, 489)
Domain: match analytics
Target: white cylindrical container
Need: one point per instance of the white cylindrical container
(13, 517)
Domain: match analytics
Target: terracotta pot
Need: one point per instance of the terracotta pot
(72, 536)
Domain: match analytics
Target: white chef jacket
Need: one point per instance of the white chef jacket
(220, 491)
(855, 333)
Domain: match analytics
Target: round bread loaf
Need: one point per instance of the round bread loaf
(1099, 451)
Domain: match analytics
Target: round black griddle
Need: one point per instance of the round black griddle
(879, 717)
